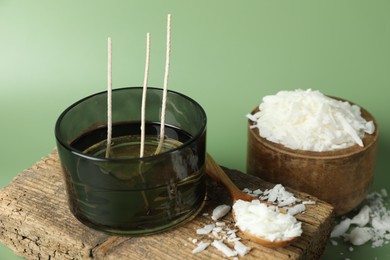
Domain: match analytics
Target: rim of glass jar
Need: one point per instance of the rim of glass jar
(202, 128)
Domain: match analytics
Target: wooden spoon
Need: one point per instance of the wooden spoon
(216, 173)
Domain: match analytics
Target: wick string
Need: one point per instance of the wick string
(109, 96)
(144, 89)
(166, 76)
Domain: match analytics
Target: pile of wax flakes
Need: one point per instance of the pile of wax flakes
(309, 120)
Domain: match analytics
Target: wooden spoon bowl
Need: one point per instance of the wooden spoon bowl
(268, 243)
(216, 173)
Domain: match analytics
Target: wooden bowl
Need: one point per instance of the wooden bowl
(341, 178)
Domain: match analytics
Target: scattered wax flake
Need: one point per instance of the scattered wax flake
(201, 247)
(246, 190)
(216, 235)
(377, 243)
(341, 228)
(231, 231)
(218, 244)
(217, 229)
(205, 230)
(220, 224)
(381, 223)
(359, 236)
(273, 193)
(333, 242)
(232, 237)
(287, 201)
(220, 211)
(363, 217)
(241, 248)
(278, 195)
(257, 192)
(299, 208)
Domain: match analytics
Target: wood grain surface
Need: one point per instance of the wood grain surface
(35, 223)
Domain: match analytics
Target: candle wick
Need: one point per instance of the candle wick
(144, 89)
(109, 96)
(166, 75)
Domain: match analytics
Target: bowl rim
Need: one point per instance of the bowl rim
(66, 144)
(368, 140)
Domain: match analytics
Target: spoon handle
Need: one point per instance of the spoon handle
(216, 173)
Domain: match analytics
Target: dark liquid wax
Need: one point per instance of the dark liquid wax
(136, 196)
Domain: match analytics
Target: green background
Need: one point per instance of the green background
(225, 54)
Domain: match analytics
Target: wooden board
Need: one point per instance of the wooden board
(35, 223)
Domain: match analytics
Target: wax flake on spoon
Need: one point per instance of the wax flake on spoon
(265, 221)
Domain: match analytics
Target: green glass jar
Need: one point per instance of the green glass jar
(126, 194)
